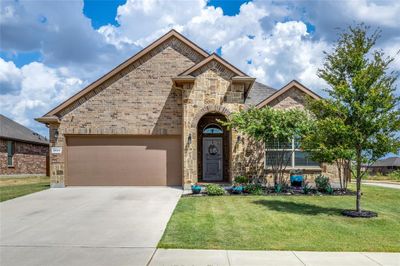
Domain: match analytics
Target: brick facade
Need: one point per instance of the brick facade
(253, 156)
(28, 159)
(142, 99)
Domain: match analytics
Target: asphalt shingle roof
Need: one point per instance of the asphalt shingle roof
(258, 93)
(391, 161)
(10, 129)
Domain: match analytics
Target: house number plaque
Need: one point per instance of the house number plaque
(56, 150)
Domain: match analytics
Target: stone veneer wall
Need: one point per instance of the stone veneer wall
(294, 98)
(29, 159)
(211, 92)
(140, 100)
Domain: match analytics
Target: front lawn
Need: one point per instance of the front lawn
(286, 223)
(12, 187)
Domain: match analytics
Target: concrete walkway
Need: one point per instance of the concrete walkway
(288, 258)
(382, 184)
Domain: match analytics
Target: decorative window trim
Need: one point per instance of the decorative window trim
(292, 165)
(212, 125)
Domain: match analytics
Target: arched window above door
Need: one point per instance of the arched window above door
(213, 129)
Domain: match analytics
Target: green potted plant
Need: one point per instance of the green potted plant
(239, 183)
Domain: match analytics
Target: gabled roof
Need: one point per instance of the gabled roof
(10, 129)
(258, 92)
(287, 87)
(210, 58)
(156, 43)
(391, 161)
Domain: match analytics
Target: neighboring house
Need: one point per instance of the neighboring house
(385, 166)
(22, 151)
(153, 120)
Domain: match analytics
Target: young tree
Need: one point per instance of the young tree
(325, 144)
(275, 128)
(362, 109)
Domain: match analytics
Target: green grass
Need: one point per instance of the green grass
(286, 223)
(13, 187)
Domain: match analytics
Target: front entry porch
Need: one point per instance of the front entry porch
(213, 149)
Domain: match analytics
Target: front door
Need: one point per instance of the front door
(212, 159)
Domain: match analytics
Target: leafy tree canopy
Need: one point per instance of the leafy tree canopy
(361, 117)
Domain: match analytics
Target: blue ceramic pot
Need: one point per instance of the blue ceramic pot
(196, 189)
(237, 189)
(296, 180)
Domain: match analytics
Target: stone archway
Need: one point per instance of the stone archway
(210, 132)
(209, 109)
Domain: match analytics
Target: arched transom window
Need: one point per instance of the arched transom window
(213, 129)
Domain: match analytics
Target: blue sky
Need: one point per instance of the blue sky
(102, 12)
(52, 49)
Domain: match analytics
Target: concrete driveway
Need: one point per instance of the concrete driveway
(85, 225)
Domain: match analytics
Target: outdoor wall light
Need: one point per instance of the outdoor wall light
(190, 138)
(56, 134)
(238, 138)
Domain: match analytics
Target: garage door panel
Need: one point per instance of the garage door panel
(151, 161)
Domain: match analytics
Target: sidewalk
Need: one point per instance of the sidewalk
(382, 184)
(178, 257)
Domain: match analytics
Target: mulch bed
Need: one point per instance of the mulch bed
(362, 214)
(294, 192)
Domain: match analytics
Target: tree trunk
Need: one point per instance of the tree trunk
(358, 181)
(339, 168)
(358, 201)
(347, 173)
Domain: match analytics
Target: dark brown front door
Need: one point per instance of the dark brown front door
(212, 159)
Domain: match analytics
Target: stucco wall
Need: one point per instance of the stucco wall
(28, 159)
(138, 101)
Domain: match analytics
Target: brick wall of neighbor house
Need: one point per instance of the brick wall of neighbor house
(212, 91)
(140, 100)
(28, 159)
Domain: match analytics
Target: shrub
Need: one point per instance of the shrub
(395, 175)
(306, 189)
(322, 183)
(254, 189)
(278, 188)
(329, 190)
(215, 190)
(241, 179)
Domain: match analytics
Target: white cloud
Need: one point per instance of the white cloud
(61, 33)
(383, 13)
(268, 40)
(38, 87)
(141, 21)
(10, 77)
(278, 54)
(284, 54)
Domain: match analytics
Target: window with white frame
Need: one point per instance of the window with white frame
(290, 152)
